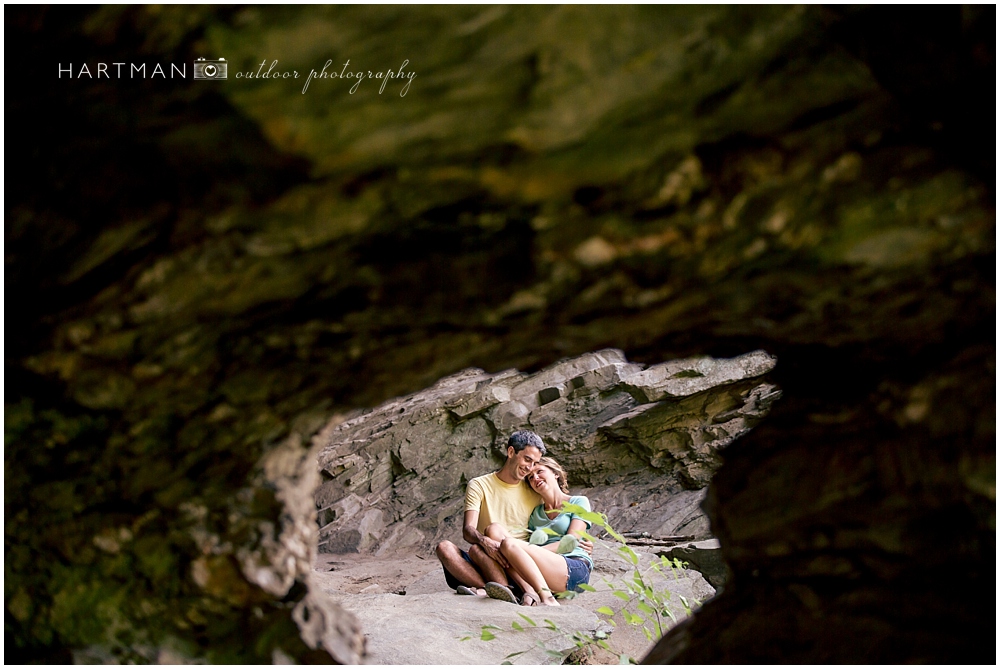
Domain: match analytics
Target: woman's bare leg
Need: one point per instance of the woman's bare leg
(526, 566)
(496, 531)
(551, 565)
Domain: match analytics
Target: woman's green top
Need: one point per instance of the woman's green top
(560, 525)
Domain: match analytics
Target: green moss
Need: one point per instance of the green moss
(158, 562)
(83, 612)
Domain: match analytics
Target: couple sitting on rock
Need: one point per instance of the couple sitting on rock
(502, 509)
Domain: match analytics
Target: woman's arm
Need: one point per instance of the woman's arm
(576, 526)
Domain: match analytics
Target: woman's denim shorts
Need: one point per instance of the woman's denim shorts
(578, 572)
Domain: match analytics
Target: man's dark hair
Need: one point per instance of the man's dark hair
(521, 439)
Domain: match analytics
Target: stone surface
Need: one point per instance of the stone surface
(195, 271)
(704, 557)
(426, 629)
(424, 625)
(395, 475)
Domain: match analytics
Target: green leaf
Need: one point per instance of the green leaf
(606, 610)
(516, 625)
(520, 652)
(648, 634)
(598, 519)
(600, 635)
(604, 645)
(507, 662)
(465, 638)
(549, 624)
(530, 621)
(630, 554)
(621, 594)
(554, 653)
(492, 627)
(587, 588)
(624, 659)
(633, 618)
(486, 635)
(646, 608)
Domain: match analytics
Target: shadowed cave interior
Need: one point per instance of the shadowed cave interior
(201, 276)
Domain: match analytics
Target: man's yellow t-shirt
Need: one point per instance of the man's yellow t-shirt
(509, 504)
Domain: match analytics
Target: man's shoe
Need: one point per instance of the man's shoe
(502, 592)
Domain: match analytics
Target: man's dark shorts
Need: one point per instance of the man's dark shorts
(454, 582)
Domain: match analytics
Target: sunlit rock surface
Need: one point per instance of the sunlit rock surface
(198, 273)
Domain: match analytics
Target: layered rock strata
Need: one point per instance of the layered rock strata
(640, 441)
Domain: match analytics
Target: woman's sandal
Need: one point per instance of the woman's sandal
(530, 600)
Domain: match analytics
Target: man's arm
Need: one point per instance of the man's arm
(469, 531)
(471, 534)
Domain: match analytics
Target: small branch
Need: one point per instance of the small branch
(647, 535)
(659, 541)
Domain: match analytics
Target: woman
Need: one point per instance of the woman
(544, 568)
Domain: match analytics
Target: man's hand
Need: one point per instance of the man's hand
(587, 545)
(492, 548)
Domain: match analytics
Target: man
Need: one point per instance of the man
(500, 497)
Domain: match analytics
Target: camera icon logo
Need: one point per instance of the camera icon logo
(210, 69)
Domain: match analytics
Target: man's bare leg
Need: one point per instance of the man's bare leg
(488, 567)
(453, 562)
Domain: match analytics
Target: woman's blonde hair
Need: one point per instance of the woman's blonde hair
(555, 468)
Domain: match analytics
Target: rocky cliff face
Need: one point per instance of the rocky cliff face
(200, 274)
(635, 438)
